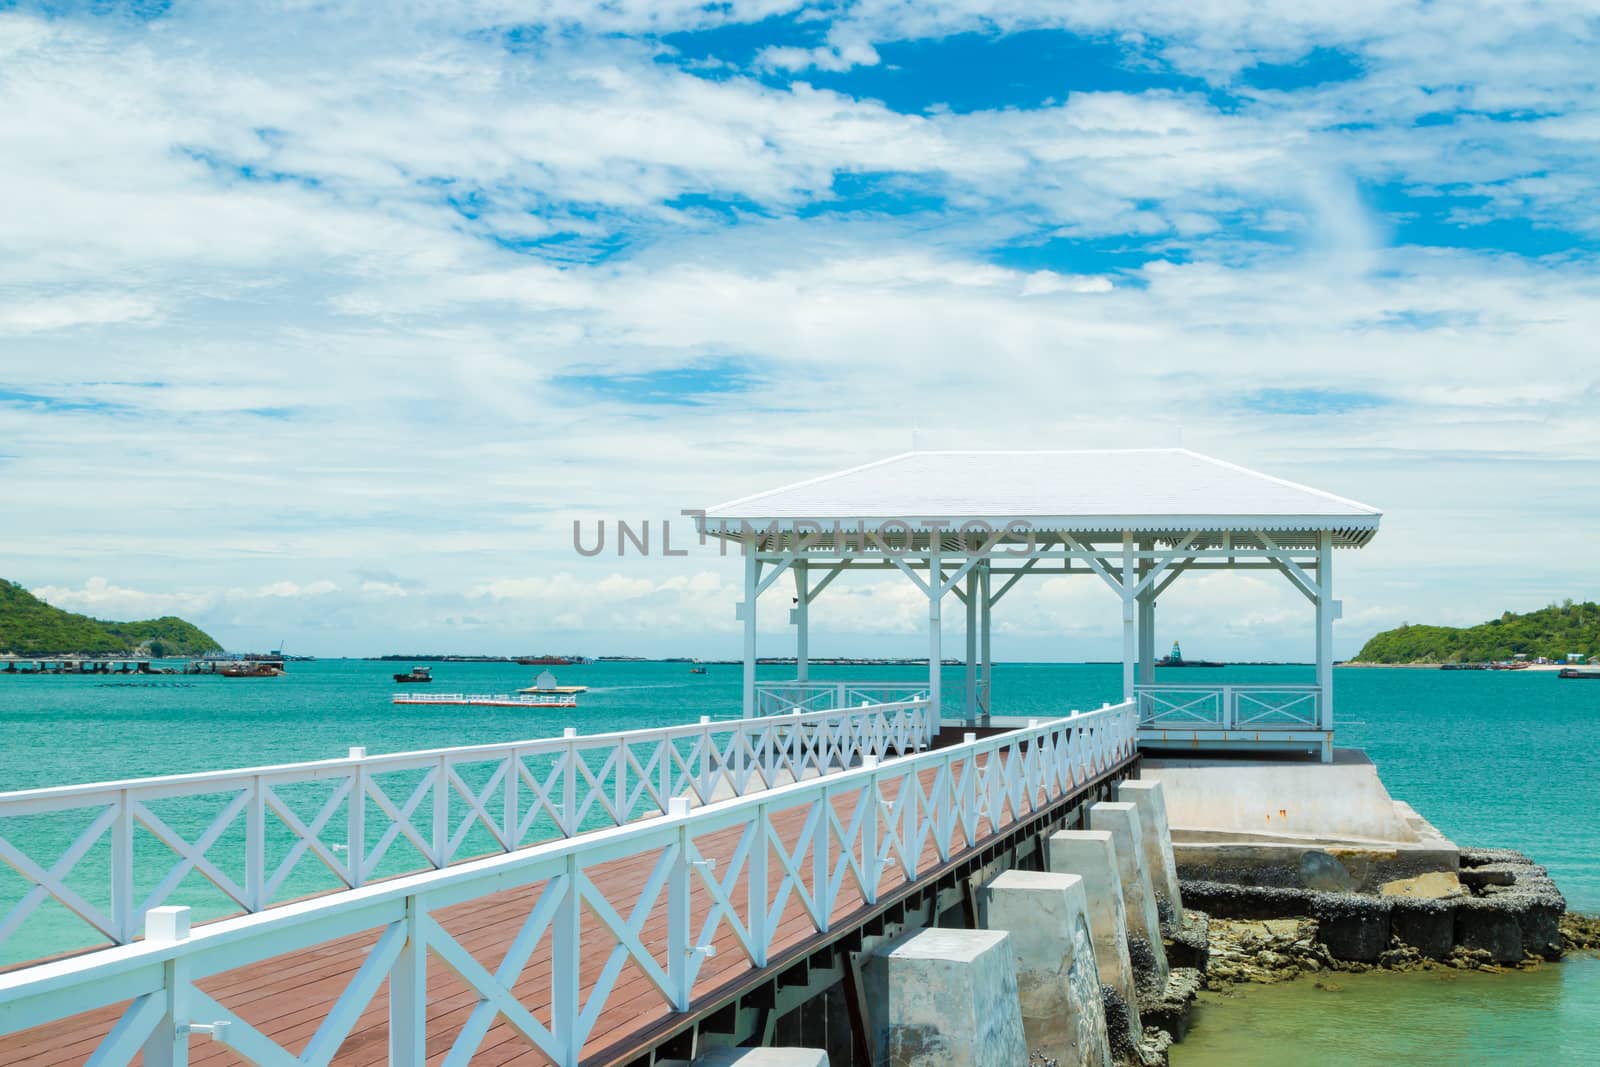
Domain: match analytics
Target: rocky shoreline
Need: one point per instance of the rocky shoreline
(1279, 950)
(1503, 914)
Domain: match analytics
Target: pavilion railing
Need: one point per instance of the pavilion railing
(783, 697)
(246, 840)
(1229, 707)
(804, 851)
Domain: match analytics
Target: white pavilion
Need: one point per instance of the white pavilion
(971, 525)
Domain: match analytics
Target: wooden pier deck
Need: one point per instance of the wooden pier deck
(288, 997)
(594, 949)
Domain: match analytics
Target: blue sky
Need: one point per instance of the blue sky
(324, 324)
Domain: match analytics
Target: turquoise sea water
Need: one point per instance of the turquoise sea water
(1503, 759)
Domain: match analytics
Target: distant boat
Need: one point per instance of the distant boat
(545, 686)
(415, 676)
(490, 700)
(697, 670)
(250, 669)
(1574, 672)
(543, 693)
(1175, 659)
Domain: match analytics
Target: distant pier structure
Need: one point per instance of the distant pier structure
(74, 665)
(968, 526)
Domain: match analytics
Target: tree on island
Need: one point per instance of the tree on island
(1548, 633)
(30, 627)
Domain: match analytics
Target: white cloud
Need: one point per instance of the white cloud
(294, 590)
(280, 295)
(102, 599)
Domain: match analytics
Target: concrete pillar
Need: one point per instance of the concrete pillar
(1058, 983)
(938, 998)
(1092, 855)
(1147, 797)
(1138, 897)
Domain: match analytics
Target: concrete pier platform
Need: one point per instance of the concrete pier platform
(1295, 824)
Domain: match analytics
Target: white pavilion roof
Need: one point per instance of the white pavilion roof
(1147, 490)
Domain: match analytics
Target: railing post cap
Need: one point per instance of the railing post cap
(967, 739)
(358, 752)
(569, 731)
(705, 720)
(678, 808)
(869, 762)
(166, 924)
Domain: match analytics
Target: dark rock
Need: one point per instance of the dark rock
(1499, 873)
(1354, 928)
(1120, 1027)
(1153, 1050)
(1429, 926)
(1189, 944)
(1322, 872)
(1478, 857)
(1541, 929)
(1227, 901)
(1538, 906)
(1485, 924)
(1580, 933)
(1171, 1008)
(1146, 972)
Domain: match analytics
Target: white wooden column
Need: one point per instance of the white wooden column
(970, 697)
(1130, 632)
(1147, 637)
(985, 651)
(1327, 611)
(747, 613)
(935, 594)
(1146, 674)
(801, 617)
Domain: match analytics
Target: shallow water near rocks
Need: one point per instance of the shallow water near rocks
(1549, 1015)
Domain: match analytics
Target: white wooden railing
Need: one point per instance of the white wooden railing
(858, 827)
(1229, 707)
(246, 832)
(782, 697)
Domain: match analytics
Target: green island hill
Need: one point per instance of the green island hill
(30, 627)
(1552, 633)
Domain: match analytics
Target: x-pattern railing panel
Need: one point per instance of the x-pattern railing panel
(355, 820)
(1296, 707)
(1244, 707)
(651, 897)
(1160, 707)
(783, 697)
